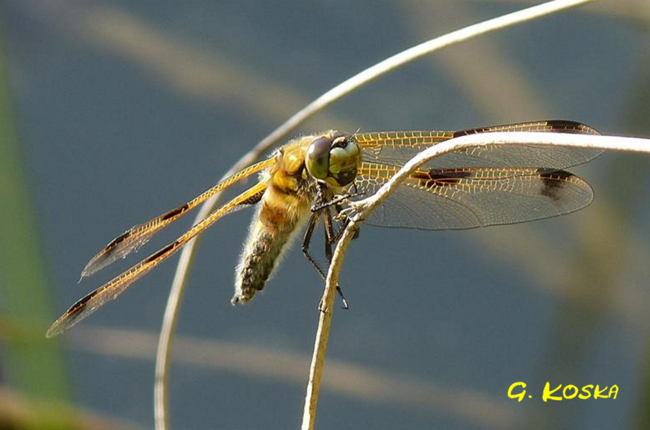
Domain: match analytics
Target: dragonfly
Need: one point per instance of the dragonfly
(309, 179)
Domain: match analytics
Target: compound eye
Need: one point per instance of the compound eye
(318, 158)
(344, 159)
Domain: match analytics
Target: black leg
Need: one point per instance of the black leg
(321, 204)
(313, 219)
(311, 225)
(329, 240)
(329, 235)
(337, 236)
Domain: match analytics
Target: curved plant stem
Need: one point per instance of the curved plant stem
(173, 302)
(325, 307)
(161, 415)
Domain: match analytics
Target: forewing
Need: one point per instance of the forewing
(395, 148)
(442, 199)
(112, 289)
(138, 235)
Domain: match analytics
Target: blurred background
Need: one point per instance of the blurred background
(113, 112)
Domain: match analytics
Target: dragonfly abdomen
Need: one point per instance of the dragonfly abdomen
(283, 210)
(257, 263)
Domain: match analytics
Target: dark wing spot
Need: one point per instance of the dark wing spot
(78, 308)
(82, 302)
(439, 177)
(119, 239)
(554, 181)
(174, 212)
(108, 249)
(460, 133)
(160, 252)
(555, 125)
(566, 126)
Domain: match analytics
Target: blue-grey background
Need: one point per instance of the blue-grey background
(125, 109)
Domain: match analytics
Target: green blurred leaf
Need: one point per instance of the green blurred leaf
(31, 364)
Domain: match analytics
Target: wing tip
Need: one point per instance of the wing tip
(60, 325)
(54, 330)
(90, 268)
(73, 315)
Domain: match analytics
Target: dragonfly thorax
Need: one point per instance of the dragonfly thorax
(333, 158)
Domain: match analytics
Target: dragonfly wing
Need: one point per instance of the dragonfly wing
(444, 199)
(395, 148)
(113, 288)
(134, 238)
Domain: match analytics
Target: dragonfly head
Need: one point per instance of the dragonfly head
(333, 158)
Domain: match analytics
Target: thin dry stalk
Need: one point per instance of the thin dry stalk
(325, 307)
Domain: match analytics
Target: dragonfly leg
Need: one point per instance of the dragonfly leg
(336, 200)
(322, 203)
(331, 238)
(313, 219)
(335, 237)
